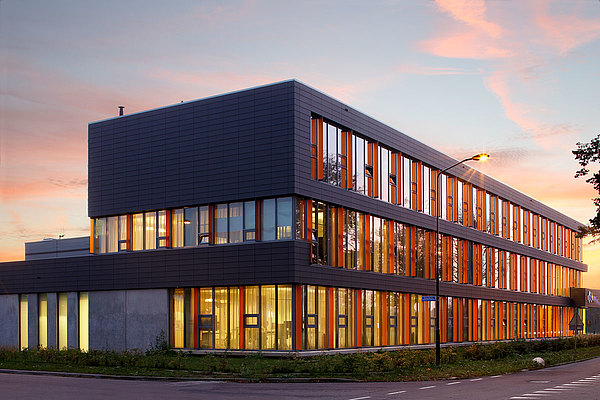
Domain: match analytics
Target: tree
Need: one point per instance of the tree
(585, 154)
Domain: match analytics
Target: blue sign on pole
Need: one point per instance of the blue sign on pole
(428, 298)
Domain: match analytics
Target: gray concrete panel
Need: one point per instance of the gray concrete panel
(9, 320)
(107, 323)
(52, 320)
(72, 320)
(147, 317)
(32, 323)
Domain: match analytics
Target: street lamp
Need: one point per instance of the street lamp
(477, 157)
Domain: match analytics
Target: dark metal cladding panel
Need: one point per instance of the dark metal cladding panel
(229, 147)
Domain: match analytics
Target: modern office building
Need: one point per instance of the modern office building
(279, 219)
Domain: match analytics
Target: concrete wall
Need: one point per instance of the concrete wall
(107, 323)
(131, 319)
(147, 316)
(9, 320)
(32, 317)
(72, 320)
(52, 320)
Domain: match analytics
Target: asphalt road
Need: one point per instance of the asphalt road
(572, 381)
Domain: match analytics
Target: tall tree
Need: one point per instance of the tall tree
(585, 154)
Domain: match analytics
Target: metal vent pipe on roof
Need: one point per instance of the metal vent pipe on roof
(121, 108)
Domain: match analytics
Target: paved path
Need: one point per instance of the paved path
(572, 381)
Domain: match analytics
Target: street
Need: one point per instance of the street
(579, 380)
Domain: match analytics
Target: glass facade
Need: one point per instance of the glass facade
(305, 317)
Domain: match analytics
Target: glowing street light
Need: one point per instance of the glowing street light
(477, 157)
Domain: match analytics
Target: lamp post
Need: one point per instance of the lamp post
(477, 157)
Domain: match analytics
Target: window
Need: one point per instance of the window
(112, 234)
(43, 320)
(236, 222)
(249, 221)
(138, 231)
(123, 227)
(162, 229)
(190, 226)
(150, 230)
(268, 220)
(83, 321)
(24, 321)
(220, 223)
(62, 321)
(284, 218)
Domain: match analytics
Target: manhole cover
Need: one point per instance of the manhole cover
(539, 381)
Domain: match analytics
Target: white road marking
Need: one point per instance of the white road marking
(402, 391)
(536, 394)
(496, 376)
(475, 380)
(360, 398)
(518, 397)
(426, 387)
(556, 389)
(452, 383)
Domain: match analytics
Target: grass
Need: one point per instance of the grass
(402, 365)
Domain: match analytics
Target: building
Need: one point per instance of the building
(279, 219)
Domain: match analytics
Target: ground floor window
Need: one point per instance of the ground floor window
(306, 317)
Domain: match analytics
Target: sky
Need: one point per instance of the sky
(517, 79)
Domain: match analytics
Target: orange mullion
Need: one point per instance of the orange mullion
(384, 319)
(413, 251)
(344, 166)
(399, 178)
(129, 223)
(340, 237)
(393, 169)
(359, 319)
(194, 312)
(375, 166)
(314, 149)
(298, 327)
(367, 242)
(350, 160)
(472, 321)
(414, 198)
(496, 219)
(488, 322)
(370, 162)
(168, 223)
(459, 327)
(391, 257)
(433, 196)
(405, 317)
(330, 320)
(211, 231)
(443, 324)
(242, 322)
(92, 234)
(420, 193)
(320, 148)
(468, 201)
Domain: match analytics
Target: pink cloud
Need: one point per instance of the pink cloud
(465, 45)
(415, 69)
(524, 115)
(567, 31)
(472, 13)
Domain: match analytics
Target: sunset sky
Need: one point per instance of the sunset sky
(517, 79)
